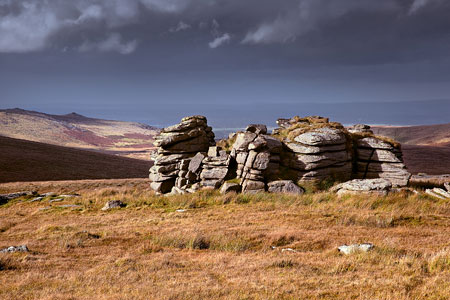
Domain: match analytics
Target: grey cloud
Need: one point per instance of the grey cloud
(181, 26)
(219, 41)
(297, 31)
(308, 15)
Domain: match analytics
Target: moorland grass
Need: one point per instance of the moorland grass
(222, 246)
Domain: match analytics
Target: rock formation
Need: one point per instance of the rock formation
(315, 148)
(378, 158)
(257, 156)
(177, 145)
(301, 149)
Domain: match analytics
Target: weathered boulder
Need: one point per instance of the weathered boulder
(284, 186)
(253, 186)
(229, 187)
(357, 186)
(257, 128)
(113, 204)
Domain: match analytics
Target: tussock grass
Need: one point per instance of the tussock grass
(223, 246)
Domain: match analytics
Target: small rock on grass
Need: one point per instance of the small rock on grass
(113, 204)
(22, 248)
(36, 199)
(56, 200)
(355, 248)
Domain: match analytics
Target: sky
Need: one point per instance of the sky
(235, 61)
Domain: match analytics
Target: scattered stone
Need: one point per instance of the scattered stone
(56, 200)
(49, 194)
(257, 128)
(229, 187)
(22, 248)
(442, 192)
(69, 196)
(36, 199)
(288, 250)
(345, 249)
(447, 186)
(176, 191)
(45, 208)
(357, 186)
(69, 206)
(113, 204)
(11, 196)
(438, 193)
(284, 186)
(180, 210)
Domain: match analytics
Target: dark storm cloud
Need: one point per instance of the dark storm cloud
(356, 31)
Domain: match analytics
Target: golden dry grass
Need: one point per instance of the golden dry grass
(220, 247)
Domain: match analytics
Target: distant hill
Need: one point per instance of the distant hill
(73, 130)
(425, 135)
(22, 160)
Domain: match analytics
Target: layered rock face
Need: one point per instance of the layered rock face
(257, 156)
(301, 149)
(216, 167)
(376, 158)
(177, 145)
(317, 153)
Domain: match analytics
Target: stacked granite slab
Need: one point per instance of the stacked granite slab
(215, 168)
(376, 158)
(318, 154)
(257, 156)
(177, 145)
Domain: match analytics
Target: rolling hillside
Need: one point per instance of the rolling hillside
(73, 130)
(426, 135)
(22, 160)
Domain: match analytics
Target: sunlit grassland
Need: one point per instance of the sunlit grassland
(222, 246)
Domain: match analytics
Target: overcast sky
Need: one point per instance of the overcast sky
(141, 57)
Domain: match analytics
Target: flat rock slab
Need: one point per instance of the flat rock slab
(322, 136)
(363, 185)
(374, 143)
(56, 200)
